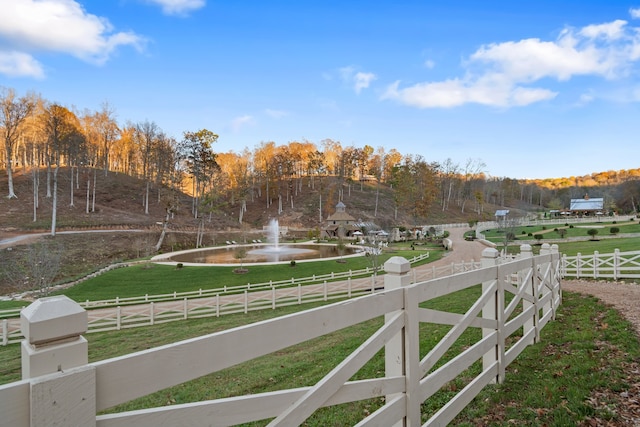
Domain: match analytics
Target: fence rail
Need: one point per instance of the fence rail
(221, 290)
(616, 265)
(111, 318)
(270, 295)
(515, 302)
(121, 313)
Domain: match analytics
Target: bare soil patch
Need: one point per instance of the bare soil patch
(624, 297)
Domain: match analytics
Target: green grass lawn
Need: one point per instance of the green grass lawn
(602, 246)
(587, 247)
(152, 279)
(574, 230)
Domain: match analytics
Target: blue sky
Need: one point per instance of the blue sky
(534, 89)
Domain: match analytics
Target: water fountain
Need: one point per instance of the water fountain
(258, 253)
(275, 252)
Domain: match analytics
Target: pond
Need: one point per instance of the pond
(260, 253)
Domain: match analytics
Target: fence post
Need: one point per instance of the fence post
(5, 332)
(530, 291)
(596, 262)
(616, 263)
(490, 310)
(578, 265)
(545, 249)
(397, 276)
(557, 276)
(273, 298)
(54, 358)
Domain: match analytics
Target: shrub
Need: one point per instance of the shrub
(614, 230)
(524, 232)
(571, 226)
(592, 232)
(293, 263)
(179, 265)
(544, 227)
(614, 222)
(538, 237)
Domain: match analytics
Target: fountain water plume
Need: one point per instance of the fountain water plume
(274, 233)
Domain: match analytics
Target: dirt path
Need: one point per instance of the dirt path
(463, 250)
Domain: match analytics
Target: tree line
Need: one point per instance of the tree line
(41, 137)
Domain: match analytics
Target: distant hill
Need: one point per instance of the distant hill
(119, 204)
(119, 207)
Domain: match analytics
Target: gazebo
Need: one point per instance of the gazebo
(340, 224)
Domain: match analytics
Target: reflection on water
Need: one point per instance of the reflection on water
(262, 253)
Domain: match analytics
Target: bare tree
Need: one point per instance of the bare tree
(263, 160)
(62, 129)
(145, 136)
(108, 130)
(13, 112)
(37, 268)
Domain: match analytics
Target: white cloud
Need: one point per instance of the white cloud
(70, 30)
(239, 122)
(455, 92)
(429, 64)
(178, 7)
(358, 79)
(363, 80)
(503, 74)
(612, 30)
(276, 114)
(635, 13)
(18, 64)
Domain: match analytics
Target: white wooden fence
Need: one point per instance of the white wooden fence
(618, 265)
(224, 289)
(516, 300)
(122, 313)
